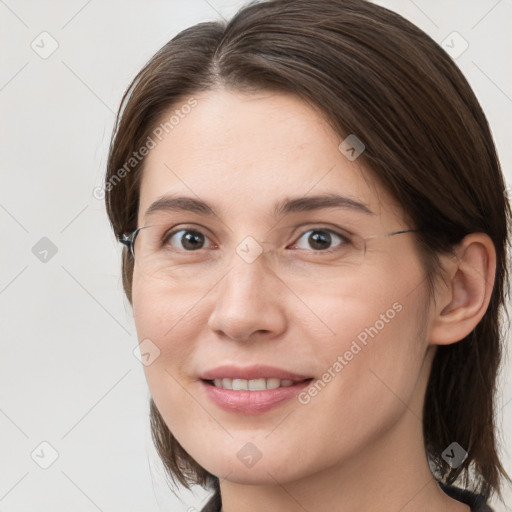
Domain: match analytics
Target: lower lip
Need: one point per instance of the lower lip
(252, 402)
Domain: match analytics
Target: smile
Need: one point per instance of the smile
(252, 385)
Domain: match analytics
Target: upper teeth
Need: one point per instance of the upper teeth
(251, 385)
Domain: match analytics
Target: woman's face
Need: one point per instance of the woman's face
(251, 285)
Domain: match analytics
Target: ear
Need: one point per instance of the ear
(461, 300)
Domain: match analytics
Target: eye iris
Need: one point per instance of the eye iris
(191, 237)
(320, 237)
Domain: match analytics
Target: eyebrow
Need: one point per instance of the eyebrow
(283, 207)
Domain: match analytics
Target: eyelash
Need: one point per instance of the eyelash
(344, 238)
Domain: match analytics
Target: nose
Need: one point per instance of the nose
(249, 302)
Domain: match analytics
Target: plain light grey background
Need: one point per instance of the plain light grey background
(68, 374)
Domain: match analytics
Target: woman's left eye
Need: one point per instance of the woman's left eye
(320, 238)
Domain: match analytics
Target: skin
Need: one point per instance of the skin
(358, 444)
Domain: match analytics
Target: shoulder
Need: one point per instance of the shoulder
(476, 501)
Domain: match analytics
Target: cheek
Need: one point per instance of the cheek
(373, 352)
(375, 312)
(164, 314)
(167, 326)
(172, 324)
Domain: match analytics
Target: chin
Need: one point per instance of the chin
(259, 474)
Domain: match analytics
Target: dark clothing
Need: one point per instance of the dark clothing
(475, 501)
(213, 505)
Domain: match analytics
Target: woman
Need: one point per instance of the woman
(316, 232)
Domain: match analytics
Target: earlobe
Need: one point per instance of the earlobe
(462, 299)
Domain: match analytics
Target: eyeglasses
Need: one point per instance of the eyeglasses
(154, 249)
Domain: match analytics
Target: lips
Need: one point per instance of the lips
(251, 402)
(252, 373)
(251, 389)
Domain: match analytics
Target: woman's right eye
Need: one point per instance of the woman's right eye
(190, 240)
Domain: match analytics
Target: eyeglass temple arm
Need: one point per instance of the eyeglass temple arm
(403, 231)
(125, 240)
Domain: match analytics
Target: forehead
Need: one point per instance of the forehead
(247, 152)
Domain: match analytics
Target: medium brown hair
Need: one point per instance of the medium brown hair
(372, 73)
